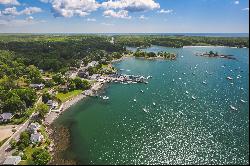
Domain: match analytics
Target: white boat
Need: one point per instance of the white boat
(154, 103)
(134, 100)
(193, 98)
(173, 80)
(145, 110)
(182, 56)
(105, 97)
(146, 82)
(229, 78)
(141, 91)
(243, 101)
(186, 92)
(204, 82)
(233, 108)
(180, 78)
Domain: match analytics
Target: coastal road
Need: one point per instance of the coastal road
(4, 149)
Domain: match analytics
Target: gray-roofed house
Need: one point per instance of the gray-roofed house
(12, 160)
(52, 104)
(4, 117)
(36, 137)
(33, 127)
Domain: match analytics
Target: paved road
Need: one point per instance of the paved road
(4, 149)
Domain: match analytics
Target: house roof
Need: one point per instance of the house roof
(34, 126)
(6, 115)
(36, 85)
(36, 137)
(12, 160)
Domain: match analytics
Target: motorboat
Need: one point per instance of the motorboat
(105, 97)
(233, 108)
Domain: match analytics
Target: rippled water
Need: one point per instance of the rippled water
(177, 129)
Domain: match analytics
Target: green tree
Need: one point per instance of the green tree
(46, 97)
(24, 140)
(27, 95)
(81, 84)
(13, 143)
(58, 79)
(14, 104)
(42, 109)
(34, 74)
(41, 156)
(7, 83)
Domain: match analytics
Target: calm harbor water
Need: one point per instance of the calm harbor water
(177, 129)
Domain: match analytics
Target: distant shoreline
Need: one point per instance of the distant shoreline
(148, 33)
(209, 46)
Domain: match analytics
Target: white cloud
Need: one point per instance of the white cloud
(31, 10)
(30, 18)
(119, 14)
(107, 24)
(13, 12)
(165, 11)
(91, 19)
(20, 22)
(69, 8)
(10, 12)
(236, 2)
(142, 17)
(246, 9)
(131, 5)
(9, 2)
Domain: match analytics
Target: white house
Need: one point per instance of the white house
(92, 64)
(37, 86)
(33, 127)
(12, 160)
(36, 137)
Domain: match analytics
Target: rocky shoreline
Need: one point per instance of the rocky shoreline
(61, 139)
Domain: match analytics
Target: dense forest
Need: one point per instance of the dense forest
(58, 53)
(180, 41)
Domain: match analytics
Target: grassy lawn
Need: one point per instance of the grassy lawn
(66, 96)
(104, 66)
(28, 152)
(3, 141)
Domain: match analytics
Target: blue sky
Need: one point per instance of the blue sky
(124, 16)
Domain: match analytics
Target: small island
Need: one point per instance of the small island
(152, 55)
(215, 55)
